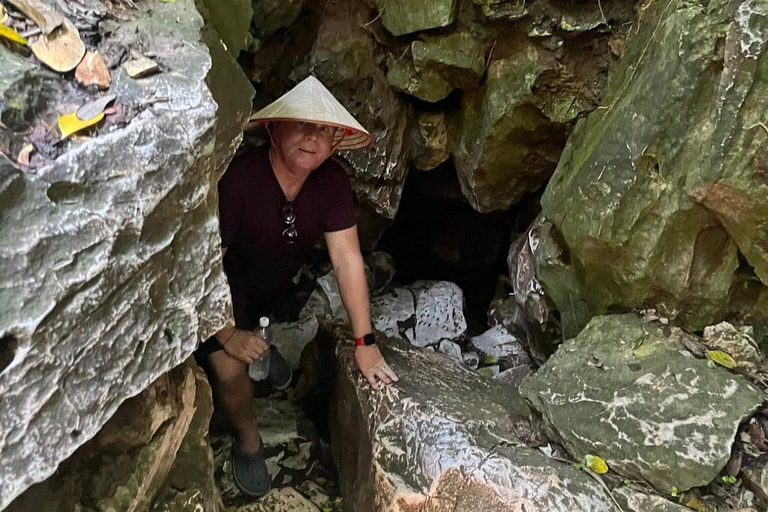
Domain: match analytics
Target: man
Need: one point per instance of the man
(273, 207)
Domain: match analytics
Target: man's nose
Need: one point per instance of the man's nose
(310, 131)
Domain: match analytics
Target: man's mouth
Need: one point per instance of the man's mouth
(305, 151)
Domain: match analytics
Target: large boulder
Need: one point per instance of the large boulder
(406, 16)
(661, 191)
(152, 450)
(110, 268)
(508, 146)
(444, 438)
(627, 390)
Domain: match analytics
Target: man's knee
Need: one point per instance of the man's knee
(226, 369)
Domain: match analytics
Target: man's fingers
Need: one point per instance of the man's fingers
(382, 376)
(390, 372)
(372, 380)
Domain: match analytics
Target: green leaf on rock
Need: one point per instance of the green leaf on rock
(721, 358)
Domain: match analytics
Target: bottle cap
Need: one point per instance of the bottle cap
(264, 322)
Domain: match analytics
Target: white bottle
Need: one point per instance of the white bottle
(260, 368)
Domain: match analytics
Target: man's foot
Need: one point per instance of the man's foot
(280, 372)
(250, 470)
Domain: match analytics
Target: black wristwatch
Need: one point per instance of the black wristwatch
(367, 340)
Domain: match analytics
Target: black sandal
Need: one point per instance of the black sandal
(250, 470)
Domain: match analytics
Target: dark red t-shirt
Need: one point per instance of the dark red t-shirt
(259, 262)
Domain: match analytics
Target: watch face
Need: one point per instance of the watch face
(369, 339)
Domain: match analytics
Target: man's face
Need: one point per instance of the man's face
(303, 146)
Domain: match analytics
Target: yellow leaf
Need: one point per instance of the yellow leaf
(9, 33)
(70, 123)
(596, 464)
(721, 358)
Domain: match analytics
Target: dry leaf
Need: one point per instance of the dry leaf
(44, 15)
(141, 67)
(93, 108)
(62, 50)
(92, 70)
(70, 123)
(3, 15)
(24, 154)
(12, 35)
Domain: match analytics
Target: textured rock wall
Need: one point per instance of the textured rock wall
(660, 197)
(109, 256)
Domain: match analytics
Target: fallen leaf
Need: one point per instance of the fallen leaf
(92, 70)
(141, 67)
(62, 50)
(596, 464)
(12, 35)
(44, 15)
(70, 123)
(93, 108)
(3, 14)
(721, 358)
(26, 151)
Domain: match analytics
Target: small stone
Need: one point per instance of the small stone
(141, 67)
(300, 460)
(450, 348)
(471, 359)
(92, 70)
(514, 375)
(315, 494)
(737, 342)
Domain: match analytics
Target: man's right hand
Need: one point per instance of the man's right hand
(245, 346)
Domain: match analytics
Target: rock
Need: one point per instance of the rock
(93, 71)
(489, 371)
(284, 499)
(379, 271)
(315, 494)
(271, 15)
(427, 84)
(406, 16)
(231, 21)
(290, 338)
(497, 345)
(634, 501)
(394, 314)
(298, 461)
(348, 60)
(514, 376)
(325, 302)
(437, 433)
(439, 312)
(431, 143)
(457, 56)
(737, 342)
(645, 214)
(450, 348)
(756, 479)
(110, 270)
(509, 10)
(125, 466)
(507, 146)
(471, 359)
(638, 399)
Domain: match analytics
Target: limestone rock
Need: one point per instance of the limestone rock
(497, 345)
(471, 359)
(458, 56)
(110, 266)
(439, 312)
(436, 434)
(507, 146)
(393, 313)
(635, 501)
(271, 15)
(290, 338)
(284, 499)
(737, 342)
(406, 16)
(431, 141)
(428, 85)
(515, 375)
(451, 349)
(638, 399)
(657, 192)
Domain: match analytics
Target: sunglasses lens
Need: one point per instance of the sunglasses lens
(290, 234)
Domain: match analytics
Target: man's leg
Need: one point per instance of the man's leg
(233, 390)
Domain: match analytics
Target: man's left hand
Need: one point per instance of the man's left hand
(372, 365)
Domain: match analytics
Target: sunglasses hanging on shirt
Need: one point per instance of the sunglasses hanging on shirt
(289, 221)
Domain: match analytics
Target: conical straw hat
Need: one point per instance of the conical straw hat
(310, 101)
